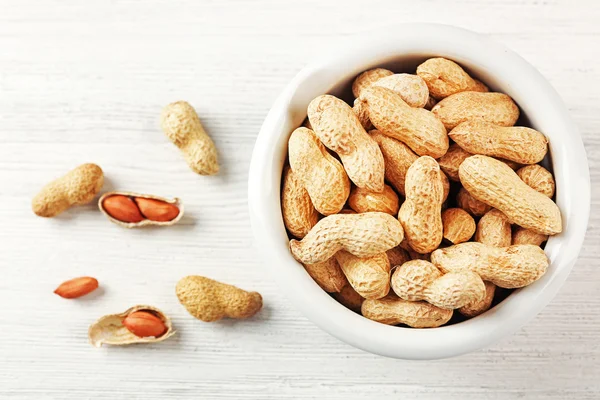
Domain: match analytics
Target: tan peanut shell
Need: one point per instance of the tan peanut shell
(459, 226)
(144, 222)
(515, 143)
(421, 280)
(392, 310)
(411, 88)
(362, 113)
(349, 298)
(362, 200)
(527, 236)
(476, 308)
(369, 276)
(508, 267)
(538, 178)
(496, 108)
(363, 235)
(181, 124)
(299, 214)
(494, 183)
(450, 161)
(79, 186)
(494, 229)
(421, 212)
(210, 300)
(340, 130)
(397, 256)
(470, 204)
(110, 329)
(398, 158)
(368, 78)
(445, 78)
(416, 127)
(327, 274)
(323, 177)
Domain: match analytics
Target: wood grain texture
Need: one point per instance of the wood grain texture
(85, 82)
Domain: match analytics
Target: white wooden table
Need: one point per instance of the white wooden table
(84, 81)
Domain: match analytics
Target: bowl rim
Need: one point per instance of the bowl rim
(535, 97)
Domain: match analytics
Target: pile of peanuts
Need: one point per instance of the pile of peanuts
(419, 200)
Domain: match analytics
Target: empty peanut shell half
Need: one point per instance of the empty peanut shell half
(134, 210)
(111, 329)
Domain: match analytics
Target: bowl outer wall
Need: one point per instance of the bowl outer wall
(503, 70)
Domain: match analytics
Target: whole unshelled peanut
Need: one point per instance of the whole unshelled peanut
(476, 308)
(369, 276)
(458, 224)
(527, 236)
(416, 127)
(368, 78)
(538, 178)
(516, 143)
(488, 179)
(392, 310)
(349, 298)
(445, 78)
(508, 267)
(181, 124)
(494, 229)
(398, 158)
(339, 129)
(496, 108)
(363, 235)
(299, 214)
(421, 212)
(79, 186)
(470, 204)
(421, 280)
(411, 88)
(362, 200)
(327, 274)
(323, 177)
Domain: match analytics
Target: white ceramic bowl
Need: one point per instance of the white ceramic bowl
(402, 48)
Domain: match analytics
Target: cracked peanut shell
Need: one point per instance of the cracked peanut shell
(140, 219)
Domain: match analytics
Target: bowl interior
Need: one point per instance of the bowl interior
(401, 51)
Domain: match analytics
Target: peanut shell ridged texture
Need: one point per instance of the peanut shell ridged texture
(420, 280)
(181, 124)
(494, 229)
(340, 130)
(514, 143)
(78, 186)
(349, 298)
(496, 108)
(362, 113)
(323, 177)
(416, 127)
(421, 212)
(397, 256)
(538, 178)
(362, 200)
(398, 158)
(209, 300)
(508, 267)
(369, 276)
(476, 308)
(445, 78)
(368, 78)
(494, 183)
(299, 214)
(459, 226)
(392, 310)
(110, 329)
(411, 88)
(363, 235)
(450, 161)
(527, 236)
(470, 204)
(327, 274)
